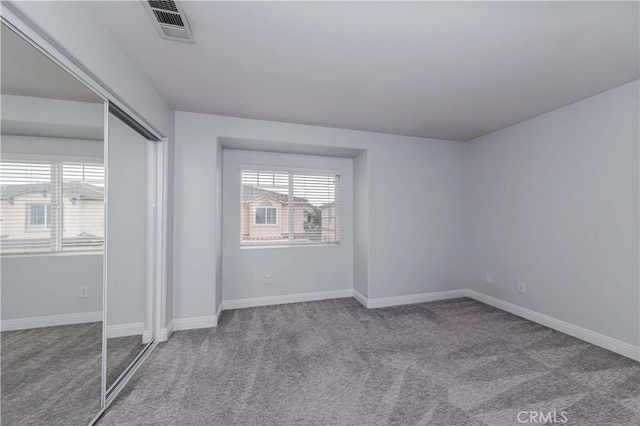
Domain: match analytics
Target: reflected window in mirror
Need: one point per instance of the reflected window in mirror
(51, 206)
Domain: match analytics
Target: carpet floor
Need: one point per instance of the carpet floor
(52, 375)
(333, 362)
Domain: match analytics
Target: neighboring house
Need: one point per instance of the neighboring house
(265, 215)
(329, 225)
(27, 216)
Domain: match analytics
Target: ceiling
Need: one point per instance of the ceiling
(27, 72)
(448, 70)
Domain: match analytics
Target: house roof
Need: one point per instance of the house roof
(250, 192)
(72, 190)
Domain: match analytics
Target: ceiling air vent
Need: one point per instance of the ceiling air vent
(170, 20)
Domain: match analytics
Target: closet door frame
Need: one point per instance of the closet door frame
(158, 215)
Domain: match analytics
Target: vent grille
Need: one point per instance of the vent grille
(164, 5)
(169, 18)
(175, 32)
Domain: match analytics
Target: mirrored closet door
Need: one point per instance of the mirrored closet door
(52, 231)
(77, 240)
(130, 195)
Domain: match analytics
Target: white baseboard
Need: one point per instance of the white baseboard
(218, 313)
(360, 298)
(166, 333)
(382, 302)
(193, 323)
(120, 330)
(125, 330)
(290, 298)
(589, 336)
(581, 333)
(50, 321)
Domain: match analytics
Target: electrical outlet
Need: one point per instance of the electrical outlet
(489, 279)
(267, 279)
(522, 287)
(84, 292)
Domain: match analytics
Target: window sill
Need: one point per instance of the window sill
(281, 246)
(52, 254)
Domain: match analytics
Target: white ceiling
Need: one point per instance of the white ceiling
(447, 70)
(27, 72)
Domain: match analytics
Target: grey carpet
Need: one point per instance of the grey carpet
(51, 375)
(455, 362)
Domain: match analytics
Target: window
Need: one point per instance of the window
(39, 217)
(266, 216)
(51, 205)
(281, 207)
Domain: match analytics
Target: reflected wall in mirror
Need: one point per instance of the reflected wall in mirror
(130, 192)
(52, 231)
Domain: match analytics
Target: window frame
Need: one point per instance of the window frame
(248, 244)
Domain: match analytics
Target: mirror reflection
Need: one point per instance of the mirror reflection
(128, 256)
(52, 231)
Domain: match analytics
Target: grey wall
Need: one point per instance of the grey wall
(85, 38)
(44, 285)
(219, 227)
(361, 224)
(554, 203)
(293, 269)
(25, 115)
(420, 176)
(52, 146)
(194, 235)
(126, 246)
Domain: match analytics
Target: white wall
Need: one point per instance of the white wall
(48, 285)
(554, 203)
(293, 269)
(420, 176)
(79, 31)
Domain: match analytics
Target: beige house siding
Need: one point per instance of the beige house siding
(83, 217)
(329, 224)
(86, 216)
(262, 232)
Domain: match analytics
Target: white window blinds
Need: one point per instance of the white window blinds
(289, 207)
(51, 206)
